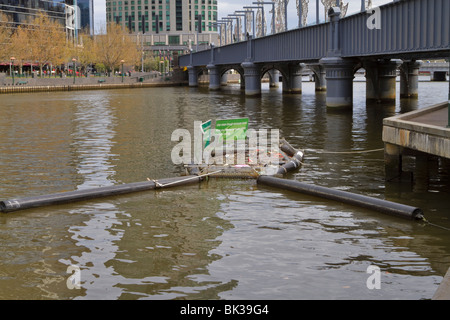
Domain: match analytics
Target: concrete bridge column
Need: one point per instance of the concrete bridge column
(319, 77)
(274, 78)
(409, 79)
(193, 76)
(224, 79)
(252, 75)
(293, 81)
(380, 80)
(339, 77)
(214, 77)
(242, 82)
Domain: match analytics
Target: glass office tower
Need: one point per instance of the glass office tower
(23, 11)
(84, 13)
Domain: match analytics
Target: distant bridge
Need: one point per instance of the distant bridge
(408, 31)
(437, 70)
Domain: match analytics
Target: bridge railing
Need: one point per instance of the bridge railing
(232, 54)
(198, 58)
(306, 43)
(414, 25)
(412, 28)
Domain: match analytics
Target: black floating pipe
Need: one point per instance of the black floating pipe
(86, 194)
(383, 206)
(296, 158)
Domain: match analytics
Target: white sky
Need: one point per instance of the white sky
(227, 7)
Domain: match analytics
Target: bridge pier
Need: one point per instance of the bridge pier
(193, 76)
(380, 80)
(224, 79)
(339, 77)
(274, 78)
(292, 82)
(214, 77)
(319, 77)
(409, 79)
(252, 75)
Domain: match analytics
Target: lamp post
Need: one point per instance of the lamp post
(239, 24)
(225, 28)
(229, 19)
(122, 61)
(218, 25)
(244, 13)
(74, 69)
(273, 13)
(253, 19)
(199, 26)
(12, 69)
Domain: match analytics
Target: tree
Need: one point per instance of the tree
(84, 52)
(114, 46)
(46, 41)
(19, 46)
(5, 36)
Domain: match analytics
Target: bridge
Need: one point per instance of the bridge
(437, 70)
(404, 32)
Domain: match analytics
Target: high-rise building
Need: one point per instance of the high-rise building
(177, 20)
(23, 11)
(69, 13)
(84, 13)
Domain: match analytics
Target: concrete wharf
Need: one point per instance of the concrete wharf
(422, 134)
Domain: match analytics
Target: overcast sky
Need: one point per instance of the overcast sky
(229, 6)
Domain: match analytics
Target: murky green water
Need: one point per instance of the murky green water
(222, 239)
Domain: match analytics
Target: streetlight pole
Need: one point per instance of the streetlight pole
(74, 69)
(300, 14)
(273, 13)
(230, 20)
(238, 26)
(122, 61)
(225, 27)
(12, 69)
(263, 26)
(245, 22)
(253, 19)
(317, 11)
(285, 14)
(218, 24)
(245, 19)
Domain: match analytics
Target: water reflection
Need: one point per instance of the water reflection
(92, 140)
(224, 238)
(93, 137)
(341, 241)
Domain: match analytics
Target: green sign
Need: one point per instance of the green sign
(206, 130)
(233, 129)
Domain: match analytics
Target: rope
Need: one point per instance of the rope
(159, 185)
(344, 152)
(434, 225)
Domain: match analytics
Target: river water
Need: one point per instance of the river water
(222, 239)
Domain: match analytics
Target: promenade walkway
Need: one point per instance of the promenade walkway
(137, 80)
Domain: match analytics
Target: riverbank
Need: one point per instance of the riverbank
(138, 80)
